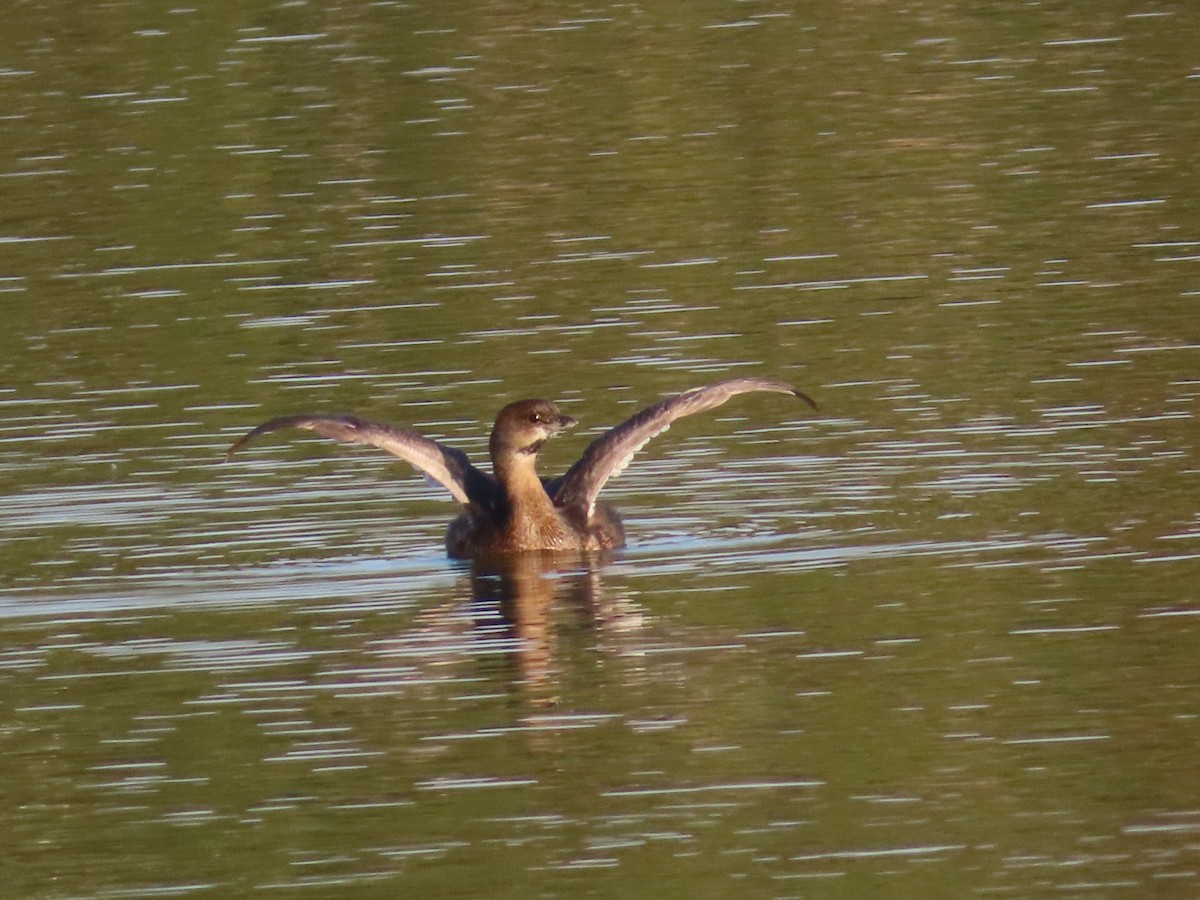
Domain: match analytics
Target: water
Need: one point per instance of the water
(937, 641)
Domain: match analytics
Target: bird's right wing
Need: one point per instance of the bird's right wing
(448, 467)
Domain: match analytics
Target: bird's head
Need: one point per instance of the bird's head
(523, 427)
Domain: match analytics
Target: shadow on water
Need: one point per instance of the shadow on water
(524, 600)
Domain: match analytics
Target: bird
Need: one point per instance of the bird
(513, 509)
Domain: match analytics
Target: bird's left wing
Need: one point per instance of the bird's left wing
(609, 454)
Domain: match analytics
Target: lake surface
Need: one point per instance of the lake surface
(940, 640)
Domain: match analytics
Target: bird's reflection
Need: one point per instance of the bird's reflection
(531, 599)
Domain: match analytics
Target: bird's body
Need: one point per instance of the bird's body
(513, 509)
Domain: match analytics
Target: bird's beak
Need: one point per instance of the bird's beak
(565, 422)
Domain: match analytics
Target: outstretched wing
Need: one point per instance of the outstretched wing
(448, 467)
(610, 453)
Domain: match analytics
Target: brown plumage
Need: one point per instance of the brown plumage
(513, 509)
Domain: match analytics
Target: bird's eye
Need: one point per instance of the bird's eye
(535, 418)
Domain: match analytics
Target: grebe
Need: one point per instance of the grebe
(513, 509)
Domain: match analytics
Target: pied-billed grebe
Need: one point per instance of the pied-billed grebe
(514, 509)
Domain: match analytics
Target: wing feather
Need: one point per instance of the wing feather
(447, 466)
(609, 454)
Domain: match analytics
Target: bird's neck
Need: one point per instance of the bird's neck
(517, 476)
